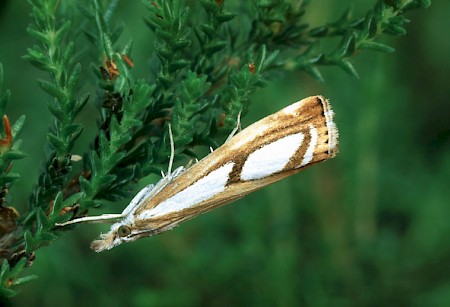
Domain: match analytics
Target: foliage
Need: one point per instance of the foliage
(206, 73)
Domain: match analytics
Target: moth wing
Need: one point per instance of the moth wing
(267, 151)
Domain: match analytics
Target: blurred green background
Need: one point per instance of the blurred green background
(369, 228)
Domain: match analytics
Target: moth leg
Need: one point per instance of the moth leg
(172, 151)
(236, 129)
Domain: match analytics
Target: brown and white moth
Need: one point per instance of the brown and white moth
(269, 150)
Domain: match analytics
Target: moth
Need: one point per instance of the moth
(275, 147)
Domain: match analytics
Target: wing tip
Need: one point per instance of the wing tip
(333, 132)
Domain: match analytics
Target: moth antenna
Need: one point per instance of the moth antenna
(162, 174)
(92, 219)
(172, 151)
(211, 149)
(238, 127)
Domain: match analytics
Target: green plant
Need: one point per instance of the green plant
(206, 74)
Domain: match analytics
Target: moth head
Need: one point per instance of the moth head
(119, 233)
